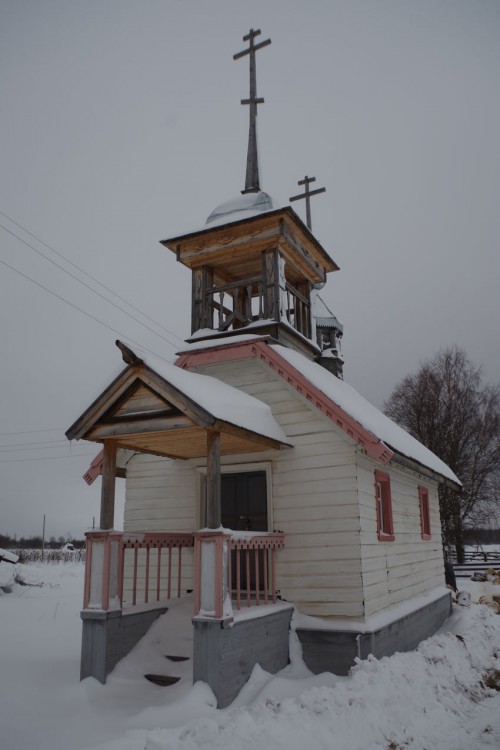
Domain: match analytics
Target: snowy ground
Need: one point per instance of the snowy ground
(435, 697)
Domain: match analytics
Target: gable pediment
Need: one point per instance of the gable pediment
(170, 413)
(140, 400)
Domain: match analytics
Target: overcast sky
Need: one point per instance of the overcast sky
(121, 125)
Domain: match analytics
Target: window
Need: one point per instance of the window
(425, 517)
(385, 528)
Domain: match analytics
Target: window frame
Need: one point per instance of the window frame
(425, 514)
(385, 523)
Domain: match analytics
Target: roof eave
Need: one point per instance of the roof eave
(411, 463)
(170, 242)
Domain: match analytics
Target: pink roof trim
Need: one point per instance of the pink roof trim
(94, 469)
(260, 350)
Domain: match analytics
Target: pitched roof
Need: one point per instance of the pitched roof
(352, 402)
(380, 436)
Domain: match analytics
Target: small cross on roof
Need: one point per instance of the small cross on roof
(307, 195)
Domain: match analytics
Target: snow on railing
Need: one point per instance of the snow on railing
(154, 561)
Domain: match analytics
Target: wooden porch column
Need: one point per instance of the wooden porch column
(108, 485)
(213, 480)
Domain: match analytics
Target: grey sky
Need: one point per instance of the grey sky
(121, 124)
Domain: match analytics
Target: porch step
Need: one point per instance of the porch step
(177, 658)
(162, 679)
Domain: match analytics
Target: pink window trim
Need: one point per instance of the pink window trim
(266, 354)
(425, 516)
(385, 483)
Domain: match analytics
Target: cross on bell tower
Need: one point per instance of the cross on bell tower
(307, 195)
(252, 183)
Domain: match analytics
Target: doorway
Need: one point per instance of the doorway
(244, 501)
(244, 508)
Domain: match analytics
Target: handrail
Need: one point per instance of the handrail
(259, 573)
(107, 554)
(239, 566)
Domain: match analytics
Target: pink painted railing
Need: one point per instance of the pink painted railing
(252, 572)
(155, 560)
(240, 566)
(162, 577)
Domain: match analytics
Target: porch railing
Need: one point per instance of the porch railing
(152, 562)
(234, 569)
(252, 572)
(231, 568)
(155, 562)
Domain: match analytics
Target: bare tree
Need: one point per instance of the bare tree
(447, 407)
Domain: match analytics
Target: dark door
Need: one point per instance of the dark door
(244, 501)
(244, 508)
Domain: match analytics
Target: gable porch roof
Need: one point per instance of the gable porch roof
(155, 407)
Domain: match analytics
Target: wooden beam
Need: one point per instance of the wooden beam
(213, 480)
(226, 428)
(108, 485)
(150, 425)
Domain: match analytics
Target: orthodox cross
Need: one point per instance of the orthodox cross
(307, 195)
(252, 176)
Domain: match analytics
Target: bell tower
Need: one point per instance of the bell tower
(254, 264)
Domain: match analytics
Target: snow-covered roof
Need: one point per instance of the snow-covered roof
(237, 209)
(323, 315)
(220, 400)
(193, 345)
(242, 207)
(371, 418)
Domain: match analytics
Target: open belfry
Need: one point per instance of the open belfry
(255, 265)
(258, 483)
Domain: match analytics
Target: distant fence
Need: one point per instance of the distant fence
(475, 561)
(30, 556)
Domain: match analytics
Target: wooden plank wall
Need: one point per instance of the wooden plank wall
(314, 497)
(395, 571)
(159, 496)
(323, 568)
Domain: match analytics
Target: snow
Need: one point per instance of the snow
(248, 204)
(365, 413)
(434, 697)
(8, 556)
(222, 401)
(375, 622)
(193, 345)
(234, 210)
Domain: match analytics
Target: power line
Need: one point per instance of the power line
(30, 432)
(16, 447)
(75, 307)
(75, 278)
(46, 458)
(89, 276)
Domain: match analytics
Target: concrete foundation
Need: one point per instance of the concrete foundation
(335, 651)
(109, 636)
(224, 654)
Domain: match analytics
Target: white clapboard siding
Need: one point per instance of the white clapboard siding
(323, 496)
(396, 571)
(156, 504)
(314, 497)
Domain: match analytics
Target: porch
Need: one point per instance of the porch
(235, 615)
(159, 409)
